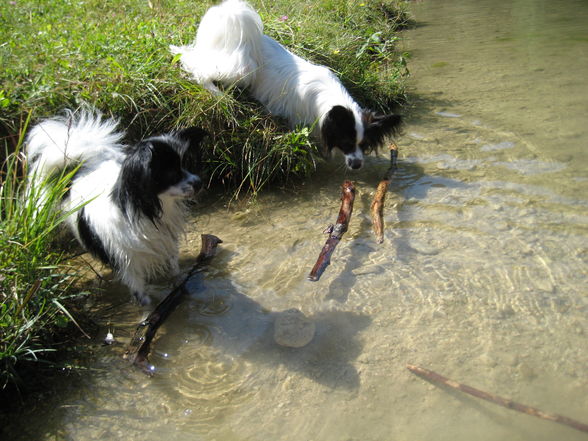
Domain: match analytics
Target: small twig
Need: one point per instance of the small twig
(96, 273)
(377, 207)
(138, 350)
(504, 402)
(68, 315)
(335, 232)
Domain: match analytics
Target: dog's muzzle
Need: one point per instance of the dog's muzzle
(191, 185)
(354, 163)
(196, 183)
(354, 160)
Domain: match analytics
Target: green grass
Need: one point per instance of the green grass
(34, 282)
(113, 54)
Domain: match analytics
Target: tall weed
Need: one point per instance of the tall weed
(33, 281)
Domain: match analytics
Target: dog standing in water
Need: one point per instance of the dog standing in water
(131, 196)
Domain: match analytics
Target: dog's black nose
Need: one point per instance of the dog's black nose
(354, 163)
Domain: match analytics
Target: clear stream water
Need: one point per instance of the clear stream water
(482, 275)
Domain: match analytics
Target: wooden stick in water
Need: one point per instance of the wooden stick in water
(377, 210)
(137, 352)
(377, 207)
(504, 402)
(335, 232)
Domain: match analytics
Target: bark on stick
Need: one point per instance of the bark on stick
(504, 402)
(377, 207)
(138, 350)
(335, 231)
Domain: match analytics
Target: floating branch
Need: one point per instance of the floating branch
(335, 231)
(504, 402)
(137, 352)
(377, 207)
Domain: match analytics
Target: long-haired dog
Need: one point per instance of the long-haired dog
(231, 48)
(129, 198)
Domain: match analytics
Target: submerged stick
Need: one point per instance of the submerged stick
(504, 402)
(377, 207)
(137, 352)
(335, 232)
(377, 210)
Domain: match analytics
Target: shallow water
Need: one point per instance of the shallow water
(482, 275)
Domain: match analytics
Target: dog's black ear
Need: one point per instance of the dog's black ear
(378, 127)
(192, 156)
(338, 130)
(135, 191)
(194, 135)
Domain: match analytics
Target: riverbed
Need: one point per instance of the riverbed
(481, 277)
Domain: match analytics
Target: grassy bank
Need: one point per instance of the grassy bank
(114, 55)
(34, 283)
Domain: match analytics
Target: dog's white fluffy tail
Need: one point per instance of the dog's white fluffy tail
(227, 47)
(57, 143)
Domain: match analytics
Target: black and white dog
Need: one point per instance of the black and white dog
(131, 197)
(231, 48)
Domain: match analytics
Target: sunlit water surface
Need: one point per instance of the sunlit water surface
(482, 275)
